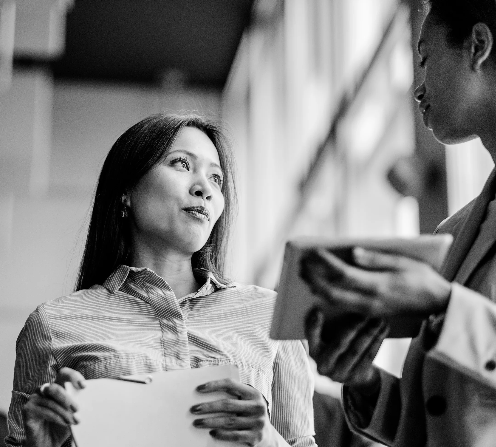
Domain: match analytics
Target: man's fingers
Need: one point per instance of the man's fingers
(313, 330)
(370, 341)
(327, 340)
(377, 260)
(325, 273)
(318, 262)
(353, 345)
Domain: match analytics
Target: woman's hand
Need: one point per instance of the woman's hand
(382, 285)
(50, 411)
(243, 418)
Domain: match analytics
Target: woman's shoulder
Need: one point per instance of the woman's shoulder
(237, 294)
(251, 290)
(41, 318)
(77, 299)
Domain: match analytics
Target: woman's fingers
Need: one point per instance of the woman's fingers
(238, 407)
(244, 420)
(244, 437)
(229, 422)
(52, 403)
(56, 393)
(70, 375)
(45, 414)
(231, 387)
(50, 410)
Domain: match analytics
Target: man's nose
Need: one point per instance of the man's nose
(419, 92)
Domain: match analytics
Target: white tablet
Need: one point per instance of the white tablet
(151, 409)
(295, 300)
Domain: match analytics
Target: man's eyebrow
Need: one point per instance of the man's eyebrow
(419, 44)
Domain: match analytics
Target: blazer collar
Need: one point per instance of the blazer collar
(468, 233)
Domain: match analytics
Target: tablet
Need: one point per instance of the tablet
(150, 409)
(295, 300)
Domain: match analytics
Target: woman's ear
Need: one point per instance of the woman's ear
(126, 199)
(481, 44)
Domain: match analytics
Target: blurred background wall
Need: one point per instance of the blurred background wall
(316, 96)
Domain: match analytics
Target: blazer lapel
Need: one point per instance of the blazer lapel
(467, 235)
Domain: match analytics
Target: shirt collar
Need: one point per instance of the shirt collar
(143, 274)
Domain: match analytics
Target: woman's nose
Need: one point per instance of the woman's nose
(419, 92)
(202, 188)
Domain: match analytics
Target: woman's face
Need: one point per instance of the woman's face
(176, 204)
(445, 97)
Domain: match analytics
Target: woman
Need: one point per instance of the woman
(447, 393)
(151, 297)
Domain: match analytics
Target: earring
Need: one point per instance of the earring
(124, 206)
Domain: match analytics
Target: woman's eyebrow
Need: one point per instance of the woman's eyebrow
(213, 164)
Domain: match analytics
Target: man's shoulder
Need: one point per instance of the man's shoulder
(450, 224)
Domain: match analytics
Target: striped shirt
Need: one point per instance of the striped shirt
(134, 324)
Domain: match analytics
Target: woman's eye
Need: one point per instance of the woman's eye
(217, 179)
(422, 62)
(181, 161)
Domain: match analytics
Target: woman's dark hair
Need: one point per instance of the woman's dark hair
(459, 17)
(135, 152)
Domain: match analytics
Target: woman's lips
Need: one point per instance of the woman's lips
(199, 212)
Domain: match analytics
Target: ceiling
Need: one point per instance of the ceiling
(153, 42)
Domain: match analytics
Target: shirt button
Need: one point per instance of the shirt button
(436, 405)
(490, 365)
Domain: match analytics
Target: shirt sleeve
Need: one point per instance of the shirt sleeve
(463, 339)
(34, 365)
(467, 339)
(292, 391)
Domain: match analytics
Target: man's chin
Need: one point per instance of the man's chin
(451, 141)
(450, 138)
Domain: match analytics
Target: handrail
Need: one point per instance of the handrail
(350, 95)
(347, 101)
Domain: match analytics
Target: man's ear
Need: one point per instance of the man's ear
(481, 44)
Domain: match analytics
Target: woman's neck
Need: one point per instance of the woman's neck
(173, 267)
